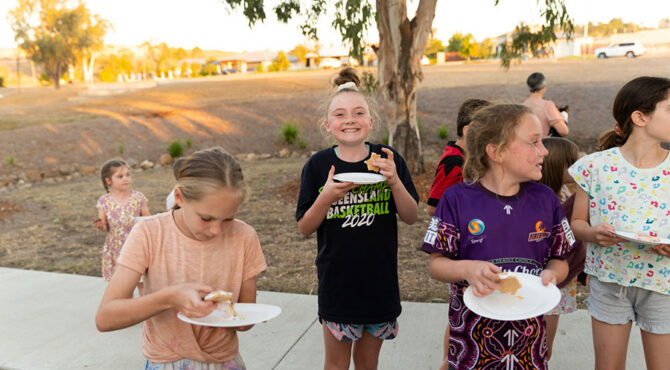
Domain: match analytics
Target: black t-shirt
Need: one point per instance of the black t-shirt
(357, 260)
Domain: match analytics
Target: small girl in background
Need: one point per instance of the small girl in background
(626, 187)
(498, 220)
(357, 232)
(118, 210)
(183, 255)
(563, 153)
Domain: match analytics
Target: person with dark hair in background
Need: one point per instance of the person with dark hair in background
(450, 169)
(545, 110)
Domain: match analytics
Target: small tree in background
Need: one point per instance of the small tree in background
(55, 35)
(280, 63)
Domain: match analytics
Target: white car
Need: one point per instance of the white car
(628, 49)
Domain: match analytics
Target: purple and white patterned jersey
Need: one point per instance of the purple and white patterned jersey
(518, 233)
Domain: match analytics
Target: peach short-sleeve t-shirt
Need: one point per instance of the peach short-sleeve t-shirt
(166, 257)
(546, 111)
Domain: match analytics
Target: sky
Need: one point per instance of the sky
(210, 24)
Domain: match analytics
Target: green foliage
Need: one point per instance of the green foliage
(54, 35)
(613, 27)
(433, 47)
(555, 16)
(369, 84)
(189, 143)
(10, 160)
(300, 52)
(118, 63)
(121, 147)
(259, 69)
(455, 42)
(175, 149)
(352, 19)
(44, 79)
(4, 73)
(280, 63)
(443, 131)
(290, 132)
(210, 69)
(196, 68)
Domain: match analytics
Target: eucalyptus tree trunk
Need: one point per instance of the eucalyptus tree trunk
(401, 45)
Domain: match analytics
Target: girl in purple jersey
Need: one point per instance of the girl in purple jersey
(498, 220)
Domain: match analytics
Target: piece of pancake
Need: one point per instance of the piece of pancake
(509, 284)
(225, 302)
(372, 167)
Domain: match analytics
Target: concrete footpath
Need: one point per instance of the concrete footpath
(47, 322)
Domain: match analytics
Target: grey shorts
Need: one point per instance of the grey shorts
(616, 304)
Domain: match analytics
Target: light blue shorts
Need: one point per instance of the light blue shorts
(617, 305)
(186, 364)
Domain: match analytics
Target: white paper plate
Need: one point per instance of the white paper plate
(531, 300)
(359, 177)
(637, 239)
(248, 313)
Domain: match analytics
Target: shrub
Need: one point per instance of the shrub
(10, 160)
(175, 149)
(189, 142)
(2, 82)
(120, 147)
(290, 132)
(369, 84)
(443, 131)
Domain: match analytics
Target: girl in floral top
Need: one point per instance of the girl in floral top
(626, 187)
(118, 210)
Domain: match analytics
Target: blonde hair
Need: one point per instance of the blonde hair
(207, 171)
(495, 124)
(108, 168)
(347, 81)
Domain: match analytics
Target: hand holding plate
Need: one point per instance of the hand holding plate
(333, 191)
(662, 249)
(604, 235)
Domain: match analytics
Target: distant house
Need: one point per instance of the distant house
(250, 61)
(338, 56)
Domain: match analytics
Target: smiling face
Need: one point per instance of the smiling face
(120, 179)
(348, 119)
(207, 218)
(523, 156)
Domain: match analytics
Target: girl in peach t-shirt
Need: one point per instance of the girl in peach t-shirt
(184, 254)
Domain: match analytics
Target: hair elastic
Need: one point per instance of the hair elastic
(617, 130)
(347, 85)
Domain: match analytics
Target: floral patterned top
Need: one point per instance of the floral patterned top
(120, 218)
(631, 199)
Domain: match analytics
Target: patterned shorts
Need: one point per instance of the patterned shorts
(568, 303)
(354, 332)
(186, 364)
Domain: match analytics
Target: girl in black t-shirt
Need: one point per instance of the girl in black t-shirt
(356, 227)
